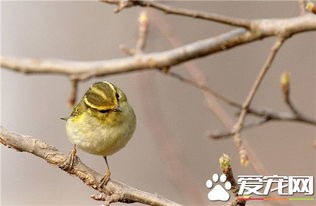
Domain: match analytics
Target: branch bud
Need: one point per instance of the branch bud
(310, 6)
(244, 159)
(224, 162)
(143, 18)
(285, 83)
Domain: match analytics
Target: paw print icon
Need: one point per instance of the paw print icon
(217, 191)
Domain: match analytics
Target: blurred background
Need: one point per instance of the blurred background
(169, 153)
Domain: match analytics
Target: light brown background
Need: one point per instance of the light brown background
(91, 31)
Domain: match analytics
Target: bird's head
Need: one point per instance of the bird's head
(104, 97)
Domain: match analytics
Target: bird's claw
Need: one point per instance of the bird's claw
(70, 161)
(105, 179)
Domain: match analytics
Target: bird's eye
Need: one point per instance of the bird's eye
(104, 111)
(117, 95)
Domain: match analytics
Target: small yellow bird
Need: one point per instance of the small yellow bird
(101, 123)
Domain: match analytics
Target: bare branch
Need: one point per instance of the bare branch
(85, 70)
(263, 113)
(73, 93)
(240, 122)
(203, 87)
(301, 5)
(252, 30)
(117, 191)
(143, 24)
(212, 103)
(183, 12)
(282, 116)
(224, 134)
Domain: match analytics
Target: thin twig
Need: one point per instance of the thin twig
(203, 87)
(301, 5)
(225, 134)
(265, 114)
(143, 24)
(121, 192)
(73, 93)
(240, 122)
(184, 12)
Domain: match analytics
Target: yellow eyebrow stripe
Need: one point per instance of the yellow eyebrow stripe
(109, 84)
(95, 106)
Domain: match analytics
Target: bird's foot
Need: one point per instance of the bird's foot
(70, 161)
(105, 179)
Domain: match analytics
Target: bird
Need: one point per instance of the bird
(101, 124)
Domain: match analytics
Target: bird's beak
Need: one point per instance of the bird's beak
(118, 109)
(64, 118)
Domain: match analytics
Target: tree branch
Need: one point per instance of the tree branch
(263, 113)
(224, 134)
(73, 93)
(85, 70)
(212, 103)
(182, 12)
(245, 107)
(115, 191)
(301, 5)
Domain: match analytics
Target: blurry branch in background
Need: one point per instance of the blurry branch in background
(143, 25)
(168, 148)
(113, 192)
(73, 93)
(209, 94)
(301, 5)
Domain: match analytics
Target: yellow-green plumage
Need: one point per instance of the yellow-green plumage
(103, 121)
